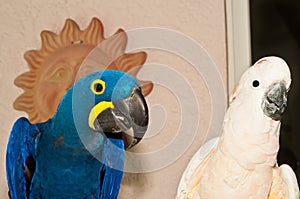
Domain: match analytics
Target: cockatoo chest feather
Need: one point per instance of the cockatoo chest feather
(234, 166)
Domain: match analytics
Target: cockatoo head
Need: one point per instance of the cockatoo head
(263, 88)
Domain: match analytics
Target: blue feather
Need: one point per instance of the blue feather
(65, 166)
(21, 145)
(112, 168)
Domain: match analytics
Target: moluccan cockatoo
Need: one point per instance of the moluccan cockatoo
(242, 162)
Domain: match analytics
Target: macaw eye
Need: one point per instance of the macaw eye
(98, 86)
(255, 83)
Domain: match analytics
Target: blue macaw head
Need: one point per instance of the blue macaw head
(107, 102)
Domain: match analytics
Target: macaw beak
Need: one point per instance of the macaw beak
(128, 115)
(275, 100)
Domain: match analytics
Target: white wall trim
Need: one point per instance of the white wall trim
(238, 39)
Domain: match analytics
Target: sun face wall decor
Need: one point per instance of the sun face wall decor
(58, 64)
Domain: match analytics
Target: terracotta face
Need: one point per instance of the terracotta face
(56, 76)
(63, 59)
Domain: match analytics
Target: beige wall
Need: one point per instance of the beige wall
(204, 21)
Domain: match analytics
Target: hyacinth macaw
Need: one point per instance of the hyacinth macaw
(242, 162)
(79, 153)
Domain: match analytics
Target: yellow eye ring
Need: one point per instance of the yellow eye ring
(98, 86)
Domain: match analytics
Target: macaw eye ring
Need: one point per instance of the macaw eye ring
(98, 86)
(255, 83)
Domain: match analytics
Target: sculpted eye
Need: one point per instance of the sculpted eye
(98, 86)
(255, 83)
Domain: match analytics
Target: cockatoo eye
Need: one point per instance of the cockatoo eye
(255, 83)
(98, 86)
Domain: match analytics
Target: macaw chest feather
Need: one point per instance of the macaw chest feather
(61, 169)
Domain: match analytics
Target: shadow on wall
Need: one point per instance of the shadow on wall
(275, 30)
